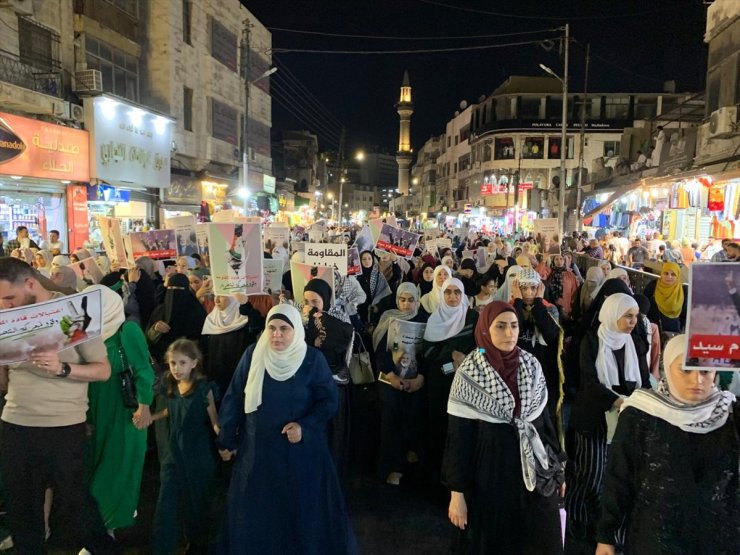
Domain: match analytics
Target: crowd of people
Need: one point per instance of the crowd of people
(547, 401)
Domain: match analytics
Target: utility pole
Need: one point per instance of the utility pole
(583, 140)
(246, 58)
(341, 175)
(564, 137)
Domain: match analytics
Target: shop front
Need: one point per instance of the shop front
(130, 159)
(39, 162)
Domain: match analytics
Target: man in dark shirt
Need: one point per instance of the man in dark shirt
(22, 240)
(637, 255)
(594, 250)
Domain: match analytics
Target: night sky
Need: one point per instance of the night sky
(635, 45)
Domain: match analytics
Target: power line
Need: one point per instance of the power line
(420, 51)
(619, 67)
(545, 17)
(295, 96)
(318, 123)
(380, 37)
(303, 118)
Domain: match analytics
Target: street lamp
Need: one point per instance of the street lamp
(563, 131)
(245, 131)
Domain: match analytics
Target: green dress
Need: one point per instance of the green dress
(117, 448)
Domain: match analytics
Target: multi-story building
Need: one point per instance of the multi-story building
(298, 168)
(424, 172)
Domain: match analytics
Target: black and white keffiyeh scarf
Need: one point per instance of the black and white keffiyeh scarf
(479, 393)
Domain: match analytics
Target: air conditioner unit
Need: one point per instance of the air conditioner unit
(88, 82)
(723, 123)
(20, 7)
(60, 109)
(76, 111)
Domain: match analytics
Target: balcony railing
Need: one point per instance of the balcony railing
(13, 71)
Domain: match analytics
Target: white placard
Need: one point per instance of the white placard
(327, 254)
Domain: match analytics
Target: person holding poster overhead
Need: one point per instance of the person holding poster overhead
(672, 476)
(448, 338)
(401, 403)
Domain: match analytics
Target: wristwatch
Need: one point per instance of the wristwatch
(64, 372)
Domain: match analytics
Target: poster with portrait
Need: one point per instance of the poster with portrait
(353, 262)
(278, 234)
(364, 240)
(236, 258)
(404, 343)
(431, 234)
(547, 235)
(110, 228)
(185, 234)
(301, 274)
(327, 254)
(316, 234)
(201, 234)
(157, 244)
(397, 240)
(53, 325)
(713, 321)
(273, 269)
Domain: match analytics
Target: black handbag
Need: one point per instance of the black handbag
(128, 387)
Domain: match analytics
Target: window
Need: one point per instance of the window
(187, 16)
(593, 108)
(454, 171)
(617, 107)
(533, 148)
(187, 109)
(456, 139)
(529, 108)
(120, 71)
(38, 45)
(223, 122)
(487, 152)
(223, 45)
(128, 6)
(611, 148)
(449, 141)
(553, 152)
(646, 108)
(504, 149)
(555, 108)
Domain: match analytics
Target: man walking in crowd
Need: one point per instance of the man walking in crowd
(594, 250)
(22, 240)
(637, 255)
(43, 429)
(53, 245)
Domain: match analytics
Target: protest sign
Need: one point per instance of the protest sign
(547, 235)
(236, 258)
(157, 244)
(110, 229)
(316, 234)
(404, 343)
(430, 234)
(185, 234)
(353, 262)
(277, 234)
(201, 234)
(482, 260)
(375, 226)
(53, 325)
(391, 221)
(398, 241)
(273, 269)
(469, 254)
(327, 254)
(713, 322)
(301, 274)
(229, 215)
(364, 240)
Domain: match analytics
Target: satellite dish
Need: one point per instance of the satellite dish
(463, 104)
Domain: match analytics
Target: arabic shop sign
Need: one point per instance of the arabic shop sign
(130, 145)
(33, 148)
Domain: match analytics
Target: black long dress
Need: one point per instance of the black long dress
(482, 460)
(678, 491)
(434, 354)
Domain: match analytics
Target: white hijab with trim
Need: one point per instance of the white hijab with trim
(430, 301)
(224, 321)
(611, 339)
(282, 365)
(447, 321)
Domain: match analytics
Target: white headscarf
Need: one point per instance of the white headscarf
(503, 293)
(611, 339)
(447, 321)
(280, 365)
(430, 301)
(223, 321)
(59, 260)
(113, 314)
(699, 418)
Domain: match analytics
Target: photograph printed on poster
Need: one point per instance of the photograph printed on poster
(187, 239)
(404, 343)
(364, 240)
(353, 262)
(236, 258)
(158, 244)
(713, 320)
(397, 240)
(110, 228)
(547, 235)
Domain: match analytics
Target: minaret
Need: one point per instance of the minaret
(405, 108)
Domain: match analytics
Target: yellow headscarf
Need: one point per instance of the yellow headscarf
(523, 261)
(669, 298)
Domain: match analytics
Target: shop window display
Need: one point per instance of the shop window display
(38, 212)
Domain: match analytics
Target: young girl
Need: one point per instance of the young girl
(487, 288)
(187, 469)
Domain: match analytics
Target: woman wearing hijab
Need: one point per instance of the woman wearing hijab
(672, 476)
(499, 432)
(333, 337)
(426, 279)
(374, 285)
(668, 299)
(613, 364)
(430, 301)
(118, 443)
(594, 279)
(503, 293)
(619, 273)
(401, 402)
(562, 286)
(284, 495)
(448, 338)
(227, 331)
(468, 275)
(64, 277)
(43, 260)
